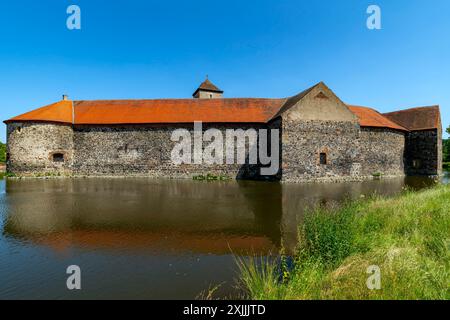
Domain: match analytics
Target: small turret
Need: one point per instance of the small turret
(207, 90)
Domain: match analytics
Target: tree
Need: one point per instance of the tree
(2, 152)
(446, 147)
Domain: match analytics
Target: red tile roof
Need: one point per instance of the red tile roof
(421, 118)
(176, 111)
(235, 110)
(157, 111)
(369, 117)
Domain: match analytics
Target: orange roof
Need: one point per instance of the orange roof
(371, 118)
(157, 111)
(421, 118)
(61, 111)
(235, 110)
(176, 111)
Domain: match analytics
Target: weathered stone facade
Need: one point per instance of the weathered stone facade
(424, 152)
(304, 141)
(31, 147)
(146, 150)
(382, 151)
(320, 138)
(352, 152)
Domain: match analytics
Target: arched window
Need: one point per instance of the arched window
(58, 157)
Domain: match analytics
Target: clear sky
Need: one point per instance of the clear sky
(164, 49)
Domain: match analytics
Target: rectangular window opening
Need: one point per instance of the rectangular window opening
(323, 158)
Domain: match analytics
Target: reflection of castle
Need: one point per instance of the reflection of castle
(169, 216)
(161, 216)
(320, 136)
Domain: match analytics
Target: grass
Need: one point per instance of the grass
(377, 174)
(407, 236)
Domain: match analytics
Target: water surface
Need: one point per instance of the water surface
(140, 238)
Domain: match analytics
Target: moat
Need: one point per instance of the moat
(151, 239)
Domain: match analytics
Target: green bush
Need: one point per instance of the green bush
(327, 237)
(2, 152)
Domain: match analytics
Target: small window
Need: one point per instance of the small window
(323, 158)
(58, 157)
(210, 96)
(19, 129)
(417, 164)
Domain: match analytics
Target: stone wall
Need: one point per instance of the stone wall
(350, 152)
(424, 152)
(304, 141)
(31, 147)
(382, 151)
(146, 150)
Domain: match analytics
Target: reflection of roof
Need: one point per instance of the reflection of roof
(421, 118)
(155, 242)
(371, 118)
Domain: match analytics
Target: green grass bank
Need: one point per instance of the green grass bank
(407, 237)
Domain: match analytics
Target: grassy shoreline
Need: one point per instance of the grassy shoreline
(407, 237)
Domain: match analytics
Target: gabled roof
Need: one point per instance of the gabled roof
(234, 110)
(420, 118)
(207, 86)
(369, 117)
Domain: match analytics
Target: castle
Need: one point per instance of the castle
(320, 137)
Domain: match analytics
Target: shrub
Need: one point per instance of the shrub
(328, 236)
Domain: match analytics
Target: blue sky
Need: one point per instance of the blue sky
(164, 49)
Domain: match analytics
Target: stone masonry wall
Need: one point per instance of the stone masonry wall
(146, 150)
(351, 152)
(31, 147)
(304, 141)
(382, 151)
(423, 153)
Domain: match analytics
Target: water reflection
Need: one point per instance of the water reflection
(151, 238)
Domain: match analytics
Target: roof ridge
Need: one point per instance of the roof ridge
(414, 108)
(175, 99)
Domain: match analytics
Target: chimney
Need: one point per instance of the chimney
(65, 97)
